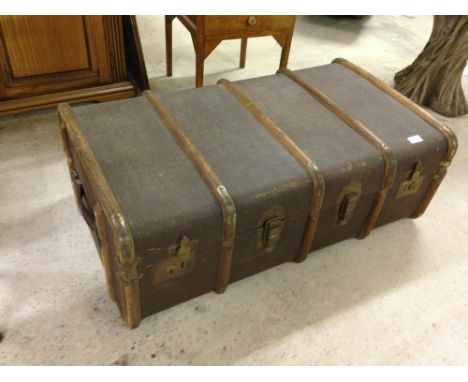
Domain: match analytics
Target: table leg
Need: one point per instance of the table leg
(434, 78)
(285, 51)
(199, 65)
(168, 22)
(243, 52)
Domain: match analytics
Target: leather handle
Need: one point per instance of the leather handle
(82, 200)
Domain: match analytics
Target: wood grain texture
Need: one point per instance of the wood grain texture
(46, 44)
(241, 24)
(47, 59)
(101, 93)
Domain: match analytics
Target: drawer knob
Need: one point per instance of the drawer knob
(252, 20)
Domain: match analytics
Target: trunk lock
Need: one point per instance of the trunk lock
(271, 233)
(270, 229)
(413, 181)
(181, 261)
(347, 202)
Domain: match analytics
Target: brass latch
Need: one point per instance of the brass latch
(347, 202)
(412, 182)
(271, 233)
(270, 226)
(180, 262)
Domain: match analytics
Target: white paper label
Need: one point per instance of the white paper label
(414, 139)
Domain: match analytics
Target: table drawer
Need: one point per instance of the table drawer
(246, 23)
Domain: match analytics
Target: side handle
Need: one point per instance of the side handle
(83, 204)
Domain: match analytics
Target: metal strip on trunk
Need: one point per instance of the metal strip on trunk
(380, 146)
(298, 154)
(448, 134)
(213, 182)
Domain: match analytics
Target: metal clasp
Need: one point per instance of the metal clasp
(271, 232)
(347, 202)
(180, 262)
(413, 181)
(270, 229)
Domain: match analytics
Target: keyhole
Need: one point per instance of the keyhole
(413, 170)
(343, 208)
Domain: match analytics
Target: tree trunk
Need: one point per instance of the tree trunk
(434, 78)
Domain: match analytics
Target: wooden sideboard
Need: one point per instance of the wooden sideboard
(45, 60)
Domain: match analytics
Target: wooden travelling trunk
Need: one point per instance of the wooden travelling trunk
(188, 191)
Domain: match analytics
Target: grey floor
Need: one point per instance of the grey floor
(399, 297)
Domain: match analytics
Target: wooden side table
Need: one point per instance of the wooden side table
(208, 31)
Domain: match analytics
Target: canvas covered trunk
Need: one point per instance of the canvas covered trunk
(186, 192)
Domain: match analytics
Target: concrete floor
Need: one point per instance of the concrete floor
(399, 297)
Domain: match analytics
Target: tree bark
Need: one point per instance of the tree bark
(434, 78)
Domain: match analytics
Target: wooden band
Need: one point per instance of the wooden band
(104, 250)
(318, 184)
(219, 191)
(122, 235)
(380, 146)
(448, 134)
(70, 164)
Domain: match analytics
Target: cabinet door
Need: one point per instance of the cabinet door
(43, 54)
